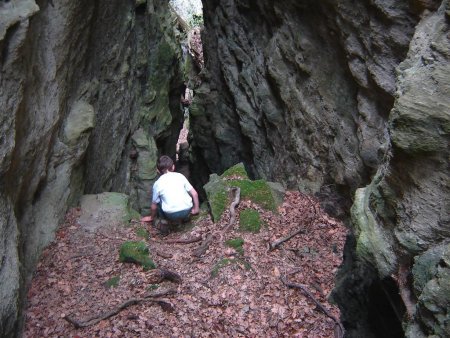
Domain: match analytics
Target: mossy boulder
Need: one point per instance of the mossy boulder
(249, 220)
(237, 170)
(106, 210)
(216, 192)
(268, 195)
(136, 252)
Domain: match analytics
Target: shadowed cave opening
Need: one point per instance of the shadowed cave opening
(386, 309)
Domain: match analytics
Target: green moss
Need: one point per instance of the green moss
(112, 282)
(136, 252)
(152, 287)
(256, 191)
(217, 196)
(249, 220)
(236, 244)
(142, 233)
(227, 261)
(219, 204)
(236, 170)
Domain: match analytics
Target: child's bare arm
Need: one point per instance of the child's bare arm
(196, 207)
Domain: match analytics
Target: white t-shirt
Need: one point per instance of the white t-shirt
(171, 189)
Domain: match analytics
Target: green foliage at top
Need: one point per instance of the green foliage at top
(236, 244)
(249, 220)
(256, 191)
(236, 170)
(136, 252)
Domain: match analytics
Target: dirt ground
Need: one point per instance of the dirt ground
(223, 293)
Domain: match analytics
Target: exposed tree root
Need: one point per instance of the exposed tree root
(339, 328)
(156, 276)
(203, 247)
(237, 197)
(184, 241)
(163, 254)
(311, 218)
(277, 243)
(153, 297)
(209, 238)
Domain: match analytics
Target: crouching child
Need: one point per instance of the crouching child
(173, 198)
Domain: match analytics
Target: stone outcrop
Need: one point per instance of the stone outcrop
(401, 218)
(304, 85)
(331, 97)
(89, 91)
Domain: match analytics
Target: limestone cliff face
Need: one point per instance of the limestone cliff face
(84, 85)
(330, 97)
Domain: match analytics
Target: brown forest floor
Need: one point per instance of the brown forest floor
(238, 302)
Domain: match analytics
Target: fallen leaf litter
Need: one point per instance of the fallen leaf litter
(246, 297)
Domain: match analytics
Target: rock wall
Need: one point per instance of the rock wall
(329, 97)
(300, 91)
(87, 98)
(401, 219)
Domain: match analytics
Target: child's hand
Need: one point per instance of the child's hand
(194, 211)
(147, 219)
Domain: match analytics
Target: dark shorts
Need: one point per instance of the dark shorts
(173, 216)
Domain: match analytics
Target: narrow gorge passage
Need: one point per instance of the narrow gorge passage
(340, 105)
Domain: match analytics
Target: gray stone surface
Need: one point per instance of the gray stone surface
(338, 97)
(300, 90)
(74, 87)
(108, 209)
(408, 201)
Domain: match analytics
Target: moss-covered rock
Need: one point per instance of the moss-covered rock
(237, 170)
(374, 245)
(268, 195)
(217, 196)
(249, 220)
(236, 244)
(136, 252)
(257, 191)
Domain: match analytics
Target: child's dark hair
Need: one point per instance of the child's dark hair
(164, 163)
